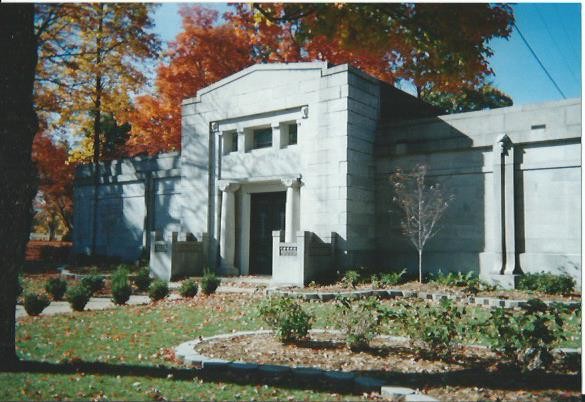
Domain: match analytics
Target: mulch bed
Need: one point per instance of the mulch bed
(470, 374)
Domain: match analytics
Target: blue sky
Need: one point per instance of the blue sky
(553, 30)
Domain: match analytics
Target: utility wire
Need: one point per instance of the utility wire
(559, 49)
(539, 62)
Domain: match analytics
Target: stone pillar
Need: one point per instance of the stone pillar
(504, 215)
(227, 244)
(275, 136)
(292, 210)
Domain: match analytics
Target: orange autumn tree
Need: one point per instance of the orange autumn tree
(56, 176)
(442, 50)
(203, 53)
(278, 40)
(436, 46)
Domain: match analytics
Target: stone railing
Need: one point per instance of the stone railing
(180, 255)
(307, 258)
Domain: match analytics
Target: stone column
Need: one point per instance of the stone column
(291, 217)
(227, 244)
(504, 215)
(275, 136)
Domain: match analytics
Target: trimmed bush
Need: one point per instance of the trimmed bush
(526, 339)
(188, 288)
(34, 303)
(359, 320)
(56, 287)
(547, 283)
(433, 329)
(121, 288)
(286, 317)
(93, 281)
(209, 283)
(158, 290)
(142, 280)
(78, 296)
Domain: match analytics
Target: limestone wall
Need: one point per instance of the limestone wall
(271, 96)
(134, 196)
(459, 148)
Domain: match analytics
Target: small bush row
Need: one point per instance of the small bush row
(547, 283)
(524, 339)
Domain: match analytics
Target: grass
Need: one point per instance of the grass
(143, 336)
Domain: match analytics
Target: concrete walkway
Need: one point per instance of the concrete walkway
(103, 303)
(95, 303)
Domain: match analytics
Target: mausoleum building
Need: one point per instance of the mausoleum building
(284, 171)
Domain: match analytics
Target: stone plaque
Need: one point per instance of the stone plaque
(160, 247)
(288, 250)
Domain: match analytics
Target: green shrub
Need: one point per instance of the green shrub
(388, 279)
(34, 303)
(188, 288)
(56, 287)
(526, 339)
(432, 329)
(547, 283)
(78, 296)
(351, 278)
(121, 289)
(209, 283)
(93, 281)
(158, 290)
(286, 317)
(469, 281)
(142, 279)
(359, 320)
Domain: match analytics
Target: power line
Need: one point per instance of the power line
(559, 49)
(539, 62)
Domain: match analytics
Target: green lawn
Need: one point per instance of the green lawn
(123, 340)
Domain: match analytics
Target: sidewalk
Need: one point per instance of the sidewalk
(103, 303)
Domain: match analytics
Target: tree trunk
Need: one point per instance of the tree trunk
(18, 183)
(97, 128)
(420, 266)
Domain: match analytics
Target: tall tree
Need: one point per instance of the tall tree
(423, 205)
(469, 99)
(203, 53)
(438, 47)
(99, 52)
(56, 176)
(18, 125)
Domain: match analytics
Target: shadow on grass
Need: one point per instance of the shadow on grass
(506, 378)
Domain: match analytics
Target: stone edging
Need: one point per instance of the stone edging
(491, 302)
(187, 354)
(65, 273)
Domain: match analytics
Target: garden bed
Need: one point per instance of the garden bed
(436, 288)
(472, 373)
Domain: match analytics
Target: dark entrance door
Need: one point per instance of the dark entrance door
(267, 214)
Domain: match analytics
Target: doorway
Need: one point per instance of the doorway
(267, 214)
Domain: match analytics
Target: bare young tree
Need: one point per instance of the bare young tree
(422, 204)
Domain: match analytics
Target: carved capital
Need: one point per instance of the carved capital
(215, 127)
(291, 182)
(305, 112)
(229, 187)
(503, 144)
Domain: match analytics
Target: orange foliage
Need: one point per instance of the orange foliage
(400, 41)
(202, 54)
(56, 176)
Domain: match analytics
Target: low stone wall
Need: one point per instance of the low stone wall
(181, 254)
(490, 302)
